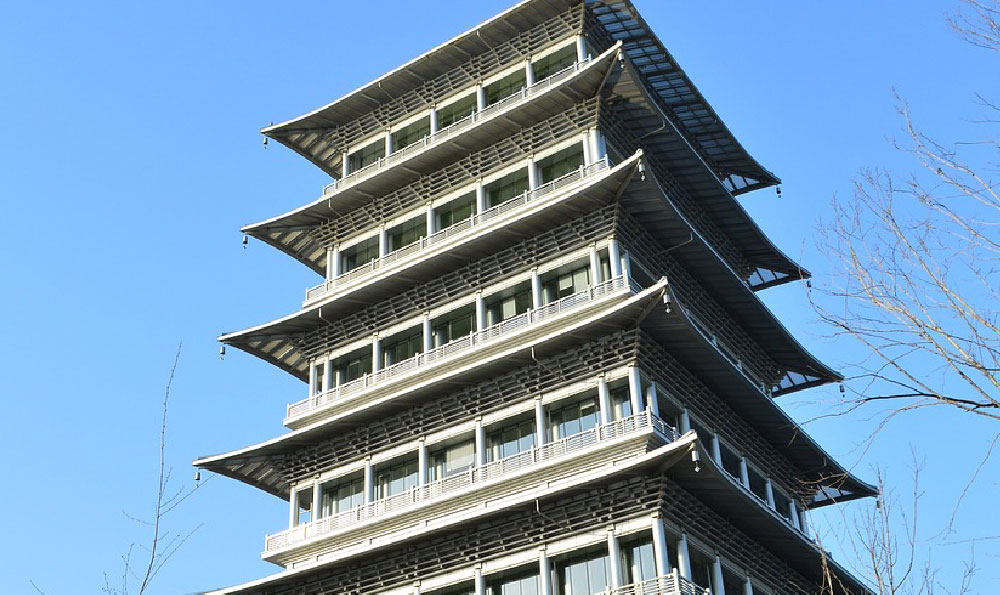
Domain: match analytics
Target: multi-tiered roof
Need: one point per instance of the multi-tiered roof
(668, 312)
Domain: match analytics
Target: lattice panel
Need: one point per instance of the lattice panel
(546, 375)
(331, 143)
(519, 258)
(512, 149)
(693, 296)
(706, 405)
(619, 134)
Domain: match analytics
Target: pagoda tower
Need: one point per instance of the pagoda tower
(537, 363)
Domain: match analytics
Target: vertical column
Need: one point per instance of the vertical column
(604, 399)
(430, 219)
(480, 443)
(653, 399)
(600, 144)
(293, 507)
(388, 142)
(345, 166)
(428, 333)
(794, 509)
(769, 493)
(635, 389)
(588, 156)
(595, 266)
(434, 119)
(747, 586)
(480, 311)
(315, 383)
(744, 473)
(718, 585)
(327, 375)
(317, 510)
(422, 462)
(536, 289)
(544, 573)
(595, 154)
(480, 581)
(803, 524)
(532, 174)
(581, 48)
(331, 262)
(369, 482)
(480, 197)
(615, 561)
(684, 557)
(539, 421)
(376, 353)
(685, 422)
(480, 97)
(660, 547)
(529, 73)
(383, 241)
(614, 256)
(626, 267)
(716, 450)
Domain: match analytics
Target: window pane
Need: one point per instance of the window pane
(454, 112)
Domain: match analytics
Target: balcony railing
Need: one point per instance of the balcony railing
(491, 333)
(490, 472)
(727, 352)
(468, 226)
(671, 584)
(762, 502)
(457, 127)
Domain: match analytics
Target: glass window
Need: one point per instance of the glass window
(640, 565)
(456, 211)
(341, 495)
(366, 156)
(560, 164)
(406, 233)
(558, 286)
(411, 133)
(305, 498)
(573, 418)
(730, 461)
(402, 346)
(782, 504)
(621, 402)
(583, 574)
(758, 485)
(521, 582)
(359, 255)
(639, 274)
(553, 63)
(505, 87)
(605, 268)
(511, 303)
(701, 569)
(395, 478)
(352, 366)
(453, 325)
(318, 370)
(506, 188)
(456, 111)
(451, 460)
(731, 582)
(467, 589)
(510, 440)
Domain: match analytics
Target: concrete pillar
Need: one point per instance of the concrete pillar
(769, 492)
(388, 142)
(293, 507)
(604, 399)
(744, 473)
(480, 311)
(529, 73)
(434, 119)
(430, 220)
(317, 499)
(684, 557)
(614, 256)
(626, 267)
(601, 145)
(581, 48)
(588, 156)
(480, 582)
(635, 390)
(544, 573)
(540, 422)
(652, 400)
(660, 556)
(615, 561)
(345, 166)
(716, 450)
(803, 524)
(480, 197)
(331, 261)
(480, 443)
(718, 585)
(532, 174)
(595, 266)
(592, 145)
(480, 97)
(383, 241)
(794, 509)
(422, 462)
(315, 382)
(536, 290)
(369, 482)
(376, 353)
(685, 422)
(327, 375)
(747, 586)
(428, 333)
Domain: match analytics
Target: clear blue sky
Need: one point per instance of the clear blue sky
(131, 157)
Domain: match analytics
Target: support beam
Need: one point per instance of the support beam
(529, 73)
(744, 473)
(635, 390)
(614, 255)
(480, 97)
(604, 399)
(317, 507)
(581, 48)
(422, 462)
(480, 197)
(536, 289)
(434, 120)
(376, 353)
(716, 450)
(388, 142)
(429, 220)
(369, 482)
(660, 557)
(747, 586)
(684, 557)
(428, 333)
(653, 399)
(769, 493)
(532, 174)
(480, 443)
(595, 266)
(383, 241)
(794, 509)
(293, 507)
(626, 267)
(480, 582)
(345, 166)
(685, 422)
(588, 155)
(480, 311)
(539, 422)
(718, 584)
(544, 573)
(615, 561)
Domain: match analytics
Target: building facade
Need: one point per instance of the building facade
(536, 363)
